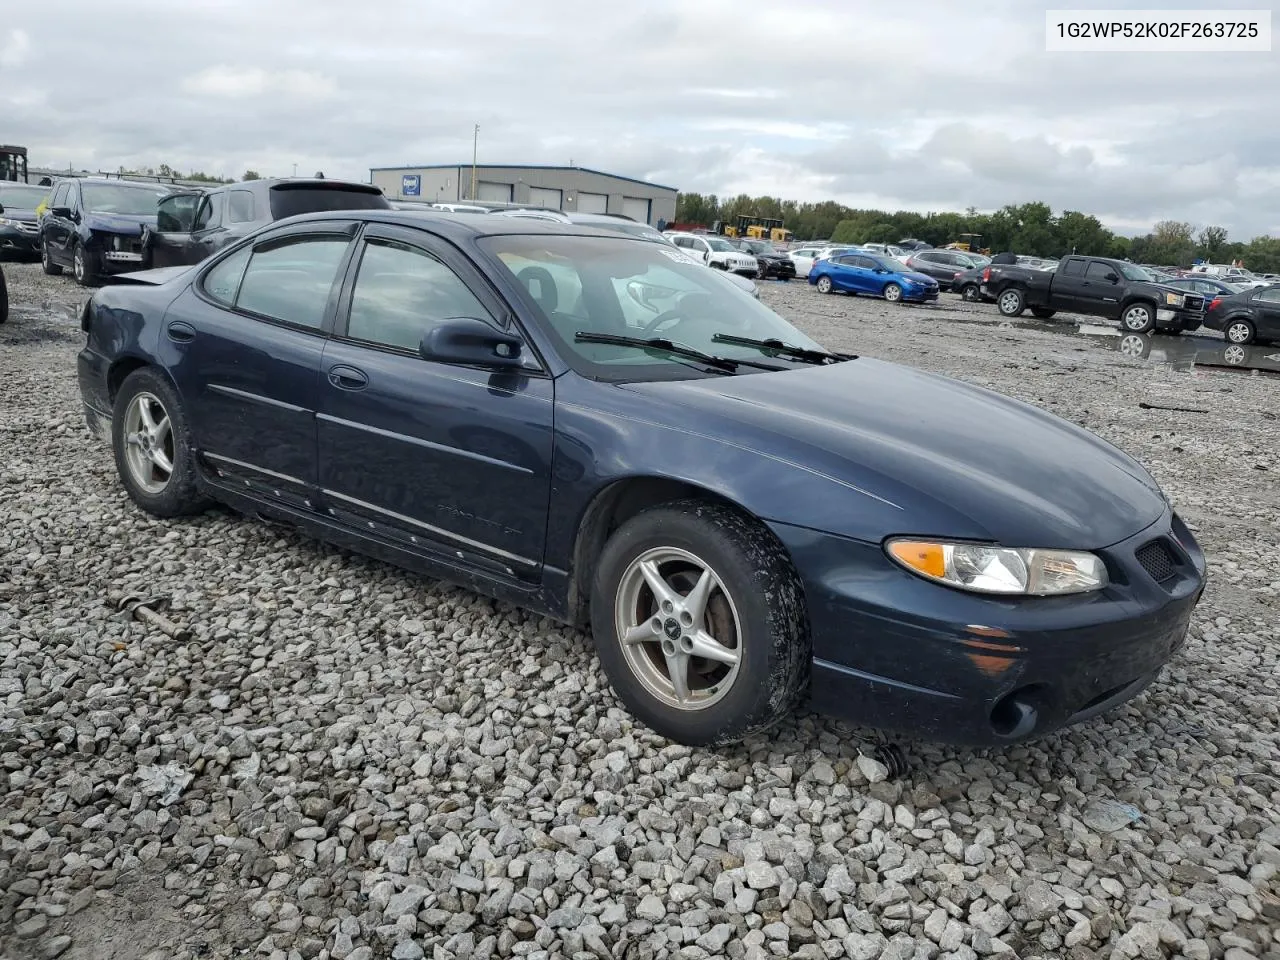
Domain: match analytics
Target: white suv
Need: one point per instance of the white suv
(715, 252)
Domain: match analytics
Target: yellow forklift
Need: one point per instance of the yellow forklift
(759, 228)
(969, 243)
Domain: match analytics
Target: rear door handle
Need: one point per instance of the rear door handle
(180, 332)
(346, 377)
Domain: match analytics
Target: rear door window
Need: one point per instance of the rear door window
(1073, 268)
(240, 206)
(291, 201)
(291, 281)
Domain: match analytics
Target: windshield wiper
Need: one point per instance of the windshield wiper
(784, 349)
(675, 349)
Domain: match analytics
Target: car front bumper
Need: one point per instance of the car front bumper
(897, 652)
(919, 294)
(18, 241)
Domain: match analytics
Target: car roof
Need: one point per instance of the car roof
(461, 226)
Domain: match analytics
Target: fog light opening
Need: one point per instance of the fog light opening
(1016, 714)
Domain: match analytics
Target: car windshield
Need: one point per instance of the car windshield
(22, 197)
(635, 229)
(715, 243)
(1132, 271)
(636, 289)
(978, 260)
(118, 198)
(756, 246)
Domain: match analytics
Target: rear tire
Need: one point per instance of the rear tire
(161, 493)
(1239, 332)
(1042, 313)
(46, 260)
(751, 612)
(825, 285)
(1011, 302)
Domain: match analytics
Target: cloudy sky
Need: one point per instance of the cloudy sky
(925, 105)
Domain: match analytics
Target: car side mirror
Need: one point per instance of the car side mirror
(468, 341)
(881, 270)
(62, 212)
(1113, 277)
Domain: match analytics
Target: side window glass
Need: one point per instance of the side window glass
(176, 214)
(291, 282)
(204, 217)
(1097, 271)
(1073, 268)
(223, 281)
(400, 291)
(240, 207)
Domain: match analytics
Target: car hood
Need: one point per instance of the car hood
(917, 276)
(123, 223)
(958, 460)
(18, 213)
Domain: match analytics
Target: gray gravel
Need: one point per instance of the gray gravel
(349, 762)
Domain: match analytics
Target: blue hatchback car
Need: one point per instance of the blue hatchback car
(600, 429)
(872, 275)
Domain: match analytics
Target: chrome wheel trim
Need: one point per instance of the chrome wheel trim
(1238, 332)
(679, 628)
(149, 444)
(1136, 318)
(1009, 301)
(1234, 354)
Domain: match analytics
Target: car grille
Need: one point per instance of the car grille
(1157, 560)
(31, 228)
(1195, 302)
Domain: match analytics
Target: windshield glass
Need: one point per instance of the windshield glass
(1132, 271)
(755, 246)
(118, 198)
(22, 197)
(635, 289)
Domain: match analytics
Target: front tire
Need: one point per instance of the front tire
(83, 266)
(892, 292)
(1011, 302)
(1138, 318)
(153, 448)
(825, 285)
(1239, 332)
(46, 260)
(699, 621)
(969, 293)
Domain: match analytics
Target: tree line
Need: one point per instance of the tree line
(1031, 229)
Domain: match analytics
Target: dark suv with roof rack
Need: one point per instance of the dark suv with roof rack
(192, 224)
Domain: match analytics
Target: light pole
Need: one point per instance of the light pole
(475, 146)
(295, 169)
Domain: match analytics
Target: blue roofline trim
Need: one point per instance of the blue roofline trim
(520, 166)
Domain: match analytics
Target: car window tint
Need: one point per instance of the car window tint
(292, 282)
(1073, 268)
(223, 280)
(1270, 295)
(240, 207)
(290, 200)
(1098, 271)
(865, 262)
(400, 291)
(177, 214)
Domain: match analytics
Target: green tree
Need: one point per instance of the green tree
(1171, 243)
(251, 175)
(1211, 243)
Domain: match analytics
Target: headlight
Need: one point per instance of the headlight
(1006, 570)
(1175, 299)
(5, 222)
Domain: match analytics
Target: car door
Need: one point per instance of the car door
(1099, 292)
(210, 229)
(446, 459)
(1266, 311)
(862, 273)
(244, 342)
(1069, 285)
(56, 229)
(169, 244)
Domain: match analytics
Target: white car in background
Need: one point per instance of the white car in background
(805, 257)
(715, 251)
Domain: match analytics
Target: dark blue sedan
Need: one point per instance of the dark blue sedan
(873, 275)
(598, 428)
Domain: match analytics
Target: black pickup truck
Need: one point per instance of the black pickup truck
(1096, 287)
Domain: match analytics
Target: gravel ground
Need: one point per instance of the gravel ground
(349, 762)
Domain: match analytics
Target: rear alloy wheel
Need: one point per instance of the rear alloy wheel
(824, 285)
(152, 446)
(46, 260)
(1240, 332)
(892, 292)
(1011, 303)
(1138, 318)
(699, 622)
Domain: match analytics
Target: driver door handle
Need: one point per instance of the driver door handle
(346, 377)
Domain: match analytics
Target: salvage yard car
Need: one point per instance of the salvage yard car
(19, 225)
(95, 226)
(715, 252)
(769, 262)
(594, 427)
(192, 224)
(1251, 316)
(872, 275)
(1096, 287)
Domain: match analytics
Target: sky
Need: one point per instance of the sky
(922, 105)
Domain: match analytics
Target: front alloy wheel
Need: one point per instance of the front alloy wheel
(893, 293)
(1139, 318)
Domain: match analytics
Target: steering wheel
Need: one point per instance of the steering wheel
(662, 319)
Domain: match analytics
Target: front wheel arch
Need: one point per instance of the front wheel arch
(609, 509)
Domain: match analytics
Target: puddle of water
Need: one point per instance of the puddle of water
(1199, 353)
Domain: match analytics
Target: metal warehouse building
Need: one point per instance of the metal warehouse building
(572, 189)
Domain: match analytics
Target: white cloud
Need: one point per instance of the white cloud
(16, 49)
(243, 82)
